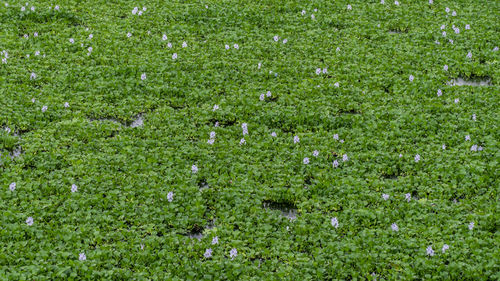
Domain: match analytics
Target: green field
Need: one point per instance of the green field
(250, 140)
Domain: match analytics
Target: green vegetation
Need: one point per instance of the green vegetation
(109, 169)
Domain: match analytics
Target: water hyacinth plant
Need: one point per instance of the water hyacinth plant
(126, 153)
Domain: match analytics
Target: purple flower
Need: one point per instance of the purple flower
(174, 56)
(194, 169)
(236, 46)
(315, 153)
(170, 196)
(242, 141)
(336, 84)
(444, 33)
(335, 163)
(164, 37)
(261, 97)
(385, 196)
(445, 67)
(303, 12)
(336, 137)
(268, 94)
(457, 100)
(244, 127)
(169, 45)
(417, 157)
(29, 221)
(495, 49)
(443, 146)
(408, 197)
(44, 108)
(474, 147)
(335, 222)
(296, 139)
(129, 35)
(71, 40)
(344, 157)
(12, 186)
(82, 257)
(276, 38)
(212, 135)
(471, 225)
(184, 44)
(208, 253)
(474, 117)
(430, 251)
(33, 75)
(400, 155)
(349, 7)
(469, 55)
(74, 188)
(411, 78)
(306, 160)
(325, 71)
(394, 227)
(313, 17)
(467, 138)
(318, 71)
(439, 93)
(143, 76)
(447, 10)
(211, 141)
(445, 247)
(431, 1)
(396, 3)
(215, 108)
(273, 134)
(233, 253)
(66, 104)
(285, 41)
(215, 240)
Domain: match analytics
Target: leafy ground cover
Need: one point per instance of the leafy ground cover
(249, 140)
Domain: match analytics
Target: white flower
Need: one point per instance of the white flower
(444, 146)
(454, 13)
(495, 49)
(285, 41)
(349, 7)
(430, 251)
(396, 3)
(335, 163)
(315, 153)
(273, 134)
(336, 137)
(474, 147)
(7, 129)
(91, 36)
(215, 107)
(276, 38)
(444, 33)
(344, 157)
(164, 37)
(169, 45)
(296, 139)
(394, 227)
(143, 76)
(56, 8)
(37, 53)
(474, 117)
(12, 186)
(447, 10)
(382, 2)
(90, 49)
(236, 46)
(144, 9)
(303, 12)
(74, 188)
(457, 100)
(184, 44)
(174, 56)
(335, 222)
(467, 138)
(134, 11)
(194, 169)
(336, 84)
(82, 257)
(471, 225)
(306, 160)
(29, 221)
(431, 1)
(142, 246)
(445, 67)
(259, 65)
(170, 196)
(443, 27)
(66, 104)
(44, 108)
(32, 8)
(129, 35)
(215, 240)
(408, 197)
(23, 9)
(33, 100)
(313, 17)
(211, 141)
(445, 247)
(385, 196)
(318, 71)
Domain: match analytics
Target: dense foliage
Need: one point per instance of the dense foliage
(237, 140)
